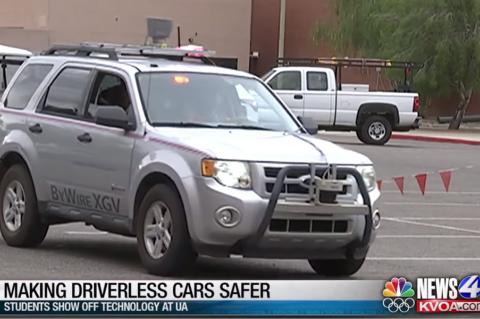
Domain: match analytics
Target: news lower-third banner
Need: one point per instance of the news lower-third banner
(394, 296)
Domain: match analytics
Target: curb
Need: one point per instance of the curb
(437, 139)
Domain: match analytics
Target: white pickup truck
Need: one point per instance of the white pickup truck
(311, 92)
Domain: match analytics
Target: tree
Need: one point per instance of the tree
(442, 34)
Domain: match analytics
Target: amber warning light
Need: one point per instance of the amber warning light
(180, 79)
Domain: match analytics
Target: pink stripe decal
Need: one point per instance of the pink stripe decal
(104, 128)
(180, 146)
(66, 120)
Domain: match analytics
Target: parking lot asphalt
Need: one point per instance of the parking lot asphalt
(432, 235)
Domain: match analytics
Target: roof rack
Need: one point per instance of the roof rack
(112, 51)
(340, 63)
(348, 62)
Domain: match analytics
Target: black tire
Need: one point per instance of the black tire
(336, 267)
(383, 122)
(359, 135)
(180, 255)
(32, 230)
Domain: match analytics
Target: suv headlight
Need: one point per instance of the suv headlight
(368, 174)
(228, 173)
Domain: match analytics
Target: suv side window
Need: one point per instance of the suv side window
(109, 89)
(287, 80)
(26, 84)
(317, 81)
(66, 95)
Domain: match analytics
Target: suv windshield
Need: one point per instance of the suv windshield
(211, 100)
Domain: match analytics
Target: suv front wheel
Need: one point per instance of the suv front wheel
(336, 267)
(163, 240)
(20, 222)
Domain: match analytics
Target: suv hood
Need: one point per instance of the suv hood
(266, 146)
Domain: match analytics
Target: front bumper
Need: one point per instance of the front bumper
(253, 237)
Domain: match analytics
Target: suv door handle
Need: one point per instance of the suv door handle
(84, 138)
(298, 96)
(37, 128)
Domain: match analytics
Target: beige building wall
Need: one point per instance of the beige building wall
(221, 25)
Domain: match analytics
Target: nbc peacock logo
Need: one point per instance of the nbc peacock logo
(397, 295)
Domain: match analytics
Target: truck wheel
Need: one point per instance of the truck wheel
(20, 224)
(359, 135)
(163, 240)
(336, 267)
(375, 130)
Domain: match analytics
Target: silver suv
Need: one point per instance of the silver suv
(188, 157)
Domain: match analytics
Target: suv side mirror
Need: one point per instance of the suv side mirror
(309, 124)
(113, 116)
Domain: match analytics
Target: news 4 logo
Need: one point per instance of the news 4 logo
(398, 295)
(441, 295)
(448, 288)
(469, 287)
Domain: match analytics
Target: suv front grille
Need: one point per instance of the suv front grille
(308, 226)
(292, 183)
(296, 173)
(298, 189)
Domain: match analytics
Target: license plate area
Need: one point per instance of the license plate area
(329, 185)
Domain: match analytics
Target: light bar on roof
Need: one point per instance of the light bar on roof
(186, 50)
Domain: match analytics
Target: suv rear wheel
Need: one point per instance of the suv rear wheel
(336, 267)
(20, 222)
(375, 130)
(163, 240)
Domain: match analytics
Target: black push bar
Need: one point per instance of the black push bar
(275, 195)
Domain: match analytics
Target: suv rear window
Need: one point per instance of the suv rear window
(66, 95)
(26, 85)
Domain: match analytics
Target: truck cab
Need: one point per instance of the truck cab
(300, 87)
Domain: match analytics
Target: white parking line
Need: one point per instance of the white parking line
(424, 258)
(431, 236)
(432, 225)
(74, 232)
(431, 204)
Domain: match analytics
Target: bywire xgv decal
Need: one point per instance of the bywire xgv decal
(84, 199)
